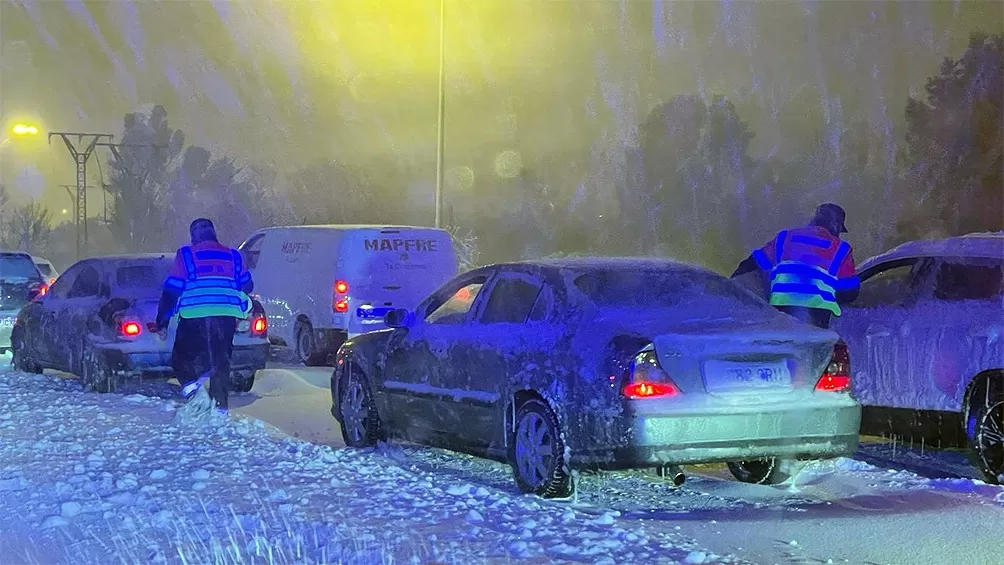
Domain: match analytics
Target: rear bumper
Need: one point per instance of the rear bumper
(814, 432)
(245, 358)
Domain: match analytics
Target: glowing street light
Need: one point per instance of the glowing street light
(24, 129)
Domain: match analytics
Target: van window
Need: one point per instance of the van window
(251, 250)
(968, 281)
(87, 284)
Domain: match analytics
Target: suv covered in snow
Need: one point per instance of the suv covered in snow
(926, 337)
(20, 282)
(93, 323)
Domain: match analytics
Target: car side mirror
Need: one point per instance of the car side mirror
(399, 318)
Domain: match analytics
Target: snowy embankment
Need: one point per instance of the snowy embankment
(89, 478)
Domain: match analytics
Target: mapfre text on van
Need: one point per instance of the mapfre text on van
(426, 245)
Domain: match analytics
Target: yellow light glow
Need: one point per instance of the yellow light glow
(64, 211)
(24, 129)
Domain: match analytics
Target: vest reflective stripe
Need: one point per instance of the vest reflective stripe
(207, 294)
(793, 283)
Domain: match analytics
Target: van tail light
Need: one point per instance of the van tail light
(647, 379)
(130, 328)
(837, 377)
(43, 290)
(341, 287)
(341, 305)
(52, 281)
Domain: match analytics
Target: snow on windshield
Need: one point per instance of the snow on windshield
(630, 288)
(145, 278)
(17, 266)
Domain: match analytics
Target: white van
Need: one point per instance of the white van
(323, 284)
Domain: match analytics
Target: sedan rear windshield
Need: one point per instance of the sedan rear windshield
(147, 278)
(633, 288)
(14, 266)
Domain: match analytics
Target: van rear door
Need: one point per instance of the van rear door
(391, 268)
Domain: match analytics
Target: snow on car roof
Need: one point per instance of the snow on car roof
(987, 245)
(135, 257)
(604, 263)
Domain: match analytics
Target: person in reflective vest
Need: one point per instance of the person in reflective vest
(810, 271)
(208, 289)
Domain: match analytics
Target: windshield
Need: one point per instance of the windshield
(15, 266)
(142, 279)
(631, 288)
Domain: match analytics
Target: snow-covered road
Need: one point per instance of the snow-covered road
(157, 489)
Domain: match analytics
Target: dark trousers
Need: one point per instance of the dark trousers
(204, 345)
(815, 316)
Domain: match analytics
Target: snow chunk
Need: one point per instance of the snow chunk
(55, 522)
(69, 509)
(158, 474)
(459, 490)
(200, 474)
(474, 517)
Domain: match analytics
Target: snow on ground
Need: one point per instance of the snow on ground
(91, 478)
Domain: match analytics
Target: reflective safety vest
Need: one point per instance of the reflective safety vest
(807, 267)
(210, 278)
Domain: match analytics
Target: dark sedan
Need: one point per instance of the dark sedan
(93, 323)
(608, 363)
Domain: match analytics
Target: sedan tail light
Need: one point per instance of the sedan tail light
(837, 377)
(647, 379)
(259, 326)
(130, 328)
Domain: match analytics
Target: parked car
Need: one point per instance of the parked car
(609, 363)
(20, 282)
(93, 323)
(323, 284)
(927, 329)
(49, 273)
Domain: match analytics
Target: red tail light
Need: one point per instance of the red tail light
(342, 305)
(52, 281)
(43, 290)
(648, 379)
(837, 377)
(341, 287)
(130, 329)
(258, 326)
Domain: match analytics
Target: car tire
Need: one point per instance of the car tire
(240, 382)
(95, 372)
(987, 443)
(306, 346)
(22, 358)
(359, 420)
(769, 471)
(537, 452)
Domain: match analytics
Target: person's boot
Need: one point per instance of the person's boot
(189, 390)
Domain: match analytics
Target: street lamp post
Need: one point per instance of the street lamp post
(442, 112)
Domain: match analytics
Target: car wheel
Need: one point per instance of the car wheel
(359, 420)
(95, 372)
(769, 471)
(306, 347)
(987, 444)
(537, 455)
(240, 382)
(22, 358)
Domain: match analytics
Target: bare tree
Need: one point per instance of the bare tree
(26, 228)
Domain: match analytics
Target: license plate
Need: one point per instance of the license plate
(738, 376)
(371, 313)
(243, 326)
(6, 323)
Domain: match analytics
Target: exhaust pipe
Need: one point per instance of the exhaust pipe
(673, 473)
